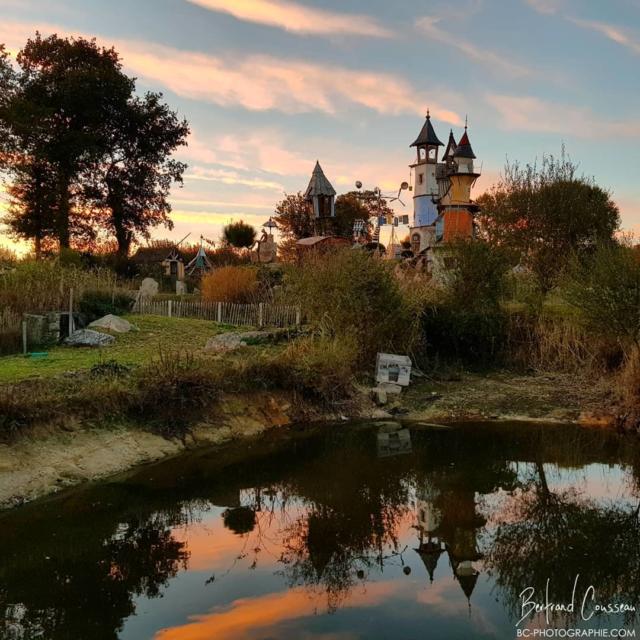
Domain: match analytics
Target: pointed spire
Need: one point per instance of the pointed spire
(451, 146)
(464, 150)
(427, 135)
(319, 185)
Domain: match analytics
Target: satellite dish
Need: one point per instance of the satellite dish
(358, 184)
(404, 185)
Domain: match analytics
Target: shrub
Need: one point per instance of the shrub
(230, 284)
(173, 391)
(319, 368)
(464, 320)
(605, 291)
(354, 295)
(96, 304)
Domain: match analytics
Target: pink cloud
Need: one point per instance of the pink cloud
(617, 34)
(297, 18)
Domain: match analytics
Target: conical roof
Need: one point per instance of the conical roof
(451, 146)
(429, 553)
(464, 150)
(319, 185)
(200, 263)
(468, 583)
(427, 135)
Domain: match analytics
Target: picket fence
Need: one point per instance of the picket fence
(255, 315)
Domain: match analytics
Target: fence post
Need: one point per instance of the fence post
(298, 316)
(170, 301)
(260, 317)
(24, 337)
(219, 312)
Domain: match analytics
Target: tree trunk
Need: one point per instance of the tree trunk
(64, 212)
(37, 246)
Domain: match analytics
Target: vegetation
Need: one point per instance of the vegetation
(353, 295)
(84, 155)
(230, 284)
(546, 213)
(239, 235)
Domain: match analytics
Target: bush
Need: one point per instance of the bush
(230, 284)
(356, 296)
(96, 304)
(319, 368)
(173, 391)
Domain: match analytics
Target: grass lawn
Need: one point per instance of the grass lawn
(133, 348)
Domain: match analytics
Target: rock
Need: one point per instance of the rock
(389, 387)
(113, 323)
(230, 341)
(148, 288)
(89, 338)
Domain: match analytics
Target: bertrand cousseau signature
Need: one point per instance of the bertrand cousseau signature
(582, 602)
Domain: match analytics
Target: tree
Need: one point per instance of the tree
(239, 235)
(132, 182)
(546, 213)
(294, 217)
(349, 208)
(375, 205)
(61, 112)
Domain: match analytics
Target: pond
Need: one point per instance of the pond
(338, 533)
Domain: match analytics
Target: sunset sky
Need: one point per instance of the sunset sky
(269, 86)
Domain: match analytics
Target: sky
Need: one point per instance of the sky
(269, 86)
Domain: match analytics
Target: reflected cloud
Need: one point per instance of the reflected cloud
(245, 617)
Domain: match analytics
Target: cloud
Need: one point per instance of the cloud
(500, 63)
(258, 82)
(548, 7)
(297, 18)
(527, 113)
(226, 176)
(617, 34)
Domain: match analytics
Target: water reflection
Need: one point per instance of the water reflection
(333, 534)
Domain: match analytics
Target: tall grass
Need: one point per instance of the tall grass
(231, 284)
(40, 287)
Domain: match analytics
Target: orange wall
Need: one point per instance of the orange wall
(458, 223)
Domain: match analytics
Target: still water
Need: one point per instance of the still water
(339, 533)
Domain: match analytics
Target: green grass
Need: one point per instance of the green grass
(133, 348)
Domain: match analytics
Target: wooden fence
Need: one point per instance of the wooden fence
(255, 315)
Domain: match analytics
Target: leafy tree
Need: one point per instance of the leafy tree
(349, 208)
(294, 217)
(605, 289)
(132, 182)
(546, 213)
(372, 202)
(61, 112)
(239, 235)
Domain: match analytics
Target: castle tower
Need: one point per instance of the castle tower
(456, 206)
(321, 196)
(425, 186)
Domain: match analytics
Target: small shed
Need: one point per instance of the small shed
(394, 369)
(320, 244)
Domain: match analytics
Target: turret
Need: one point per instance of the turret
(425, 186)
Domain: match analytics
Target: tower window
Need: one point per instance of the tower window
(420, 178)
(415, 243)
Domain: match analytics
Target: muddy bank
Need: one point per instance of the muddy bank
(47, 460)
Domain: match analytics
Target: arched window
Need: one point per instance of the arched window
(415, 243)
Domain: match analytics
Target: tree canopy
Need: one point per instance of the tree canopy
(546, 213)
(239, 235)
(82, 153)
